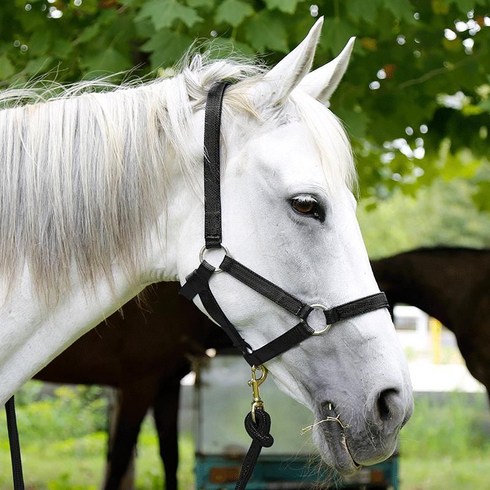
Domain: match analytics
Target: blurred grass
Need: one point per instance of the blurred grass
(446, 445)
(63, 440)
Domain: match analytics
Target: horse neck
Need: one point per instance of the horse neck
(33, 334)
(434, 282)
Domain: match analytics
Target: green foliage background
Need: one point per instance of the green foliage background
(409, 56)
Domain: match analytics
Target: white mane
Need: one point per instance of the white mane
(83, 173)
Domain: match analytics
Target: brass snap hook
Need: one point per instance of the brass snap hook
(254, 383)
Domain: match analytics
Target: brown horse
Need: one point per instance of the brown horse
(452, 285)
(144, 352)
(130, 352)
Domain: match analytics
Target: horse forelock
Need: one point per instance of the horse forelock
(331, 141)
(84, 172)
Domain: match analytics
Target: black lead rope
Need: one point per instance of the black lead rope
(14, 443)
(259, 431)
(257, 422)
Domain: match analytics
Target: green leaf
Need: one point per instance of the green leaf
(465, 6)
(61, 49)
(266, 31)
(481, 196)
(87, 7)
(130, 3)
(166, 47)
(39, 42)
(37, 66)
(89, 33)
(107, 60)
(201, 3)
(287, 6)
(363, 10)
(401, 9)
(233, 12)
(336, 33)
(484, 105)
(440, 6)
(163, 13)
(7, 69)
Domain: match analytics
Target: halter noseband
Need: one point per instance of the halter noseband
(197, 283)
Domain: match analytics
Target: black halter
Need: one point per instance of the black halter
(197, 283)
(257, 422)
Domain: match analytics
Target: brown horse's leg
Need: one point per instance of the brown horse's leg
(114, 406)
(165, 412)
(134, 403)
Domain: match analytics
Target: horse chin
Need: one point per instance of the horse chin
(331, 439)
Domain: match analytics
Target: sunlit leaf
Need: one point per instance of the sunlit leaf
(163, 13)
(266, 31)
(233, 12)
(336, 33)
(7, 69)
(363, 10)
(40, 42)
(287, 6)
(166, 47)
(91, 32)
(105, 61)
(201, 3)
(37, 66)
(401, 9)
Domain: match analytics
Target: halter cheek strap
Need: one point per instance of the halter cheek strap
(197, 283)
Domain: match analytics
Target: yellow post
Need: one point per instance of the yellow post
(435, 333)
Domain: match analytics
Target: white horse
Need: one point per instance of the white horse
(101, 195)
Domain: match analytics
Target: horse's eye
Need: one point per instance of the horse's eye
(308, 206)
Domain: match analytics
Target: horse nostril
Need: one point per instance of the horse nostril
(387, 403)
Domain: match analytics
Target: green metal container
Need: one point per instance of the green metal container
(222, 399)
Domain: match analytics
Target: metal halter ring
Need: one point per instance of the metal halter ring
(217, 270)
(319, 306)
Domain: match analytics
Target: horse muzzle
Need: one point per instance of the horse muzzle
(348, 442)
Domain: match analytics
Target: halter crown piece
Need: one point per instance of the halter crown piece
(257, 422)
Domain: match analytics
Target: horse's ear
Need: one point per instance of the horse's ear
(287, 74)
(322, 82)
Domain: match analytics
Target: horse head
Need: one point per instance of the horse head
(288, 213)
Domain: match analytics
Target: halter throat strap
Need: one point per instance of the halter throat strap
(197, 283)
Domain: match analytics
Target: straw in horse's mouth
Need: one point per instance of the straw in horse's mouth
(335, 418)
(327, 419)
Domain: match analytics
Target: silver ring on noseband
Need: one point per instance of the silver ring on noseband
(204, 250)
(319, 306)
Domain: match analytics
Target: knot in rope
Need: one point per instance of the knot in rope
(259, 430)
